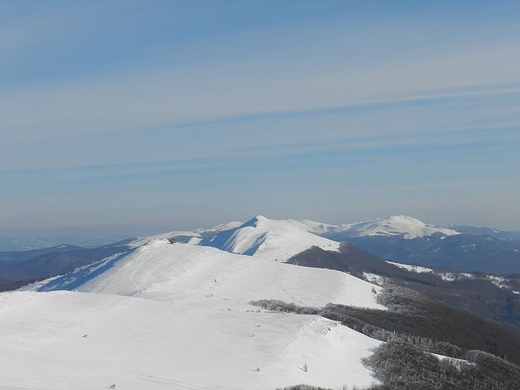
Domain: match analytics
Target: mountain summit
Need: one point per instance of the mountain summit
(269, 239)
(404, 225)
(396, 225)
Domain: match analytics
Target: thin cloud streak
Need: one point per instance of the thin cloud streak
(150, 99)
(149, 96)
(352, 127)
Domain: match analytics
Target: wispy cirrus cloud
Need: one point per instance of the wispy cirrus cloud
(259, 71)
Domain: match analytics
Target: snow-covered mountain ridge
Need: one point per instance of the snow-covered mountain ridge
(396, 225)
(174, 311)
(177, 315)
(163, 271)
(268, 239)
(280, 239)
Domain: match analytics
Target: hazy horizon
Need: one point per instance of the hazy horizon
(93, 236)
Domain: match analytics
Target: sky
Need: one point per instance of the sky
(136, 117)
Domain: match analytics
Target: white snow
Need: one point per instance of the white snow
(413, 268)
(374, 279)
(406, 226)
(163, 271)
(497, 280)
(192, 237)
(447, 276)
(281, 239)
(177, 316)
(270, 239)
(457, 363)
(319, 227)
(501, 282)
(219, 228)
(69, 340)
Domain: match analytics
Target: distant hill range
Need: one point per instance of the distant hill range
(24, 267)
(484, 231)
(407, 240)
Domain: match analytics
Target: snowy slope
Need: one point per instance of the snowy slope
(397, 225)
(185, 236)
(269, 239)
(166, 272)
(219, 228)
(69, 340)
(178, 316)
(281, 239)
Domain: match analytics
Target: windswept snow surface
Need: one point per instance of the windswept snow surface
(269, 239)
(406, 226)
(177, 316)
(188, 237)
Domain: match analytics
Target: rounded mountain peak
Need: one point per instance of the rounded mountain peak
(256, 220)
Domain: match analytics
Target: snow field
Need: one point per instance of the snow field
(178, 316)
(270, 239)
(163, 271)
(404, 225)
(92, 341)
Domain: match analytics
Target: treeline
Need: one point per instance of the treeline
(402, 366)
(309, 387)
(284, 307)
(341, 313)
(478, 296)
(304, 387)
(414, 318)
(413, 328)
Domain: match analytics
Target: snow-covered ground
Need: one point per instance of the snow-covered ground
(174, 312)
(269, 239)
(406, 226)
(177, 316)
(281, 239)
(447, 276)
(413, 268)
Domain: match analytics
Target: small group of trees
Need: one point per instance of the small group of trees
(349, 317)
(284, 307)
(401, 365)
(415, 328)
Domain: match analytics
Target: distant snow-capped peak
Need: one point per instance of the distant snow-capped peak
(219, 228)
(281, 239)
(396, 225)
(269, 239)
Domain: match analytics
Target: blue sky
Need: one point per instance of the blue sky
(144, 116)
